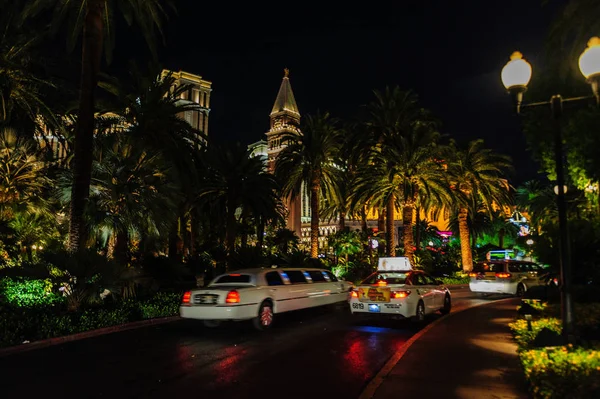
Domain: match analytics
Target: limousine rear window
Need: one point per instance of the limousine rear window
(233, 278)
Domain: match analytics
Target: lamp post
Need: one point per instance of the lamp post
(515, 77)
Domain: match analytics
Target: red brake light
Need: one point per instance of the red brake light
(472, 274)
(503, 275)
(186, 297)
(400, 294)
(353, 294)
(232, 297)
(382, 283)
(235, 274)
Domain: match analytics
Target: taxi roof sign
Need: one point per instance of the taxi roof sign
(399, 263)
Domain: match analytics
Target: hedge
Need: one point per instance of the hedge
(563, 371)
(20, 324)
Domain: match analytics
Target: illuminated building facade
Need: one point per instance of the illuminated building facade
(198, 93)
(284, 120)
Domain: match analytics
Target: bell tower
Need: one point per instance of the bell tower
(285, 120)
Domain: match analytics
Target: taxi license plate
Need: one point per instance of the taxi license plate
(374, 308)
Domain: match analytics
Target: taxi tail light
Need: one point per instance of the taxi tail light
(186, 297)
(353, 294)
(232, 297)
(503, 275)
(400, 294)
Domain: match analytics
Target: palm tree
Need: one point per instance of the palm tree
(378, 187)
(22, 179)
(403, 140)
(477, 176)
(237, 183)
(21, 98)
(310, 159)
(150, 107)
(131, 193)
(92, 20)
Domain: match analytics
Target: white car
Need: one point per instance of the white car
(259, 294)
(513, 277)
(395, 289)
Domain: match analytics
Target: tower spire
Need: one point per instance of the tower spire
(285, 103)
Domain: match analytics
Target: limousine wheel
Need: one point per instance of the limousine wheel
(265, 316)
(447, 305)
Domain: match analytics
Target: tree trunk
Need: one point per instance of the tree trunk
(121, 244)
(184, 234)
(391, 233)
(418, 229)
(91, 55)
(381, 221)
(314, 219)
(173, 238)
(465, 244)
(501, 234)
(407, 231)
(230, 230)
(363, 219)
(193, 234)
(260, 233)
(342, 222)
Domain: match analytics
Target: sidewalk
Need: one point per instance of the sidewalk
(470, 354)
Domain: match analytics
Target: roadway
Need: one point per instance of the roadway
(316, 353)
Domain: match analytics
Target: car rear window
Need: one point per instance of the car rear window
(388, 277)
(233, 278)
(489, 267)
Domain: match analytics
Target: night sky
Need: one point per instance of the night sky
(449, 52)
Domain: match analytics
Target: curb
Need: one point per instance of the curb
(86, 334)
(376, 381)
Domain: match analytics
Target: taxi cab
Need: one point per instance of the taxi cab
(395, 289)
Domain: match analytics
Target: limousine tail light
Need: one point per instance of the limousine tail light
(186, 297)
(503, 275)
(232, 297)
(400, 294)
(353, 294)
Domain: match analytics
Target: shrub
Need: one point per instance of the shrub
(19, 324)
(525, 338)
(562, 372)
(456, 279)
(21, 292)
(163, 304)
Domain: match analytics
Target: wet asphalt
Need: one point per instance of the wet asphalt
(315, 353)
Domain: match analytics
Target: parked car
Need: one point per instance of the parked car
(507, 276)
(259, 294)
(395, 289)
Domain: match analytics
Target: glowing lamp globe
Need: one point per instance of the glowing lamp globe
(517, 72)
(589, 60)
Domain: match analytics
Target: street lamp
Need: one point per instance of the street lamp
(515, 77)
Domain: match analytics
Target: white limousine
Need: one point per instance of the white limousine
(259, 294)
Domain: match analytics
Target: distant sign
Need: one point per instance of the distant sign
(501, 254)
(399, 263)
